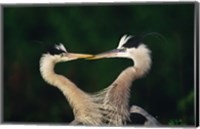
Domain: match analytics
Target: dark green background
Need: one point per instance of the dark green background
(167, 92)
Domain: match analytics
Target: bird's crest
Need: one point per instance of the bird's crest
(53, 50)
(130, 41)
(134, 41)
(60, 47)
(57, 49)
(123, 40)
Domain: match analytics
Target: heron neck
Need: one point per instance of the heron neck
(142, 60)
(117, 96)
(74, 95)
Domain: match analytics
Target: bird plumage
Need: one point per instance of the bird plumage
(114, 98)
(130, 41)
(106, 107)
(84, 108)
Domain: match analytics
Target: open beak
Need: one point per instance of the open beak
(108, 54)
(79, 55)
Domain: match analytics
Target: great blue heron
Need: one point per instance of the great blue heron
(109, 106)
(85, 110)
(114, 98)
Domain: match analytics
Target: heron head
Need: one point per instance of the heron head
(59, 54)
(128, 47)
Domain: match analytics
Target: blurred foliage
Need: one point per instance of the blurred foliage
(175, 122)
(167, 92)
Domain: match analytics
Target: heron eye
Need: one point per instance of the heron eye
(123, 49)
(62, 54)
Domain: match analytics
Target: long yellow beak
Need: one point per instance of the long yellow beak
(79, 55)
(108, 54)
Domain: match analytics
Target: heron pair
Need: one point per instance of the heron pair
(110, 105)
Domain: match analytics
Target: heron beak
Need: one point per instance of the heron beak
(108, 54)
(79, 55)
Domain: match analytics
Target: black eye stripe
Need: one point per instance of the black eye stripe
(136, 40)
(55, 51)
(133, 42)
(122, 50)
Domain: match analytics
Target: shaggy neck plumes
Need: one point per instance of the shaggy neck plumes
(115, 98)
